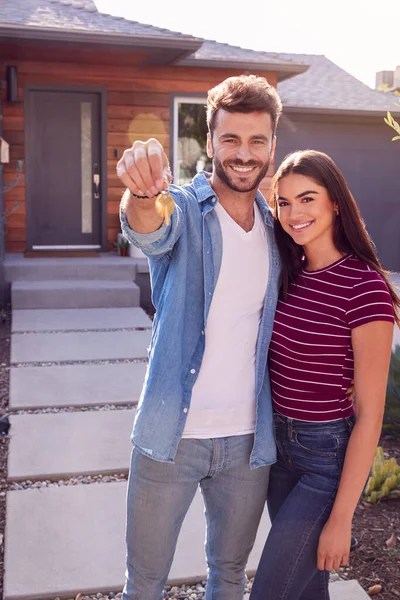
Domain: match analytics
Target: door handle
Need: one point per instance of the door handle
(96, 182)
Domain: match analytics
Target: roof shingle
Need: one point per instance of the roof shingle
(326, 86)
(212, 50)
(76, 15)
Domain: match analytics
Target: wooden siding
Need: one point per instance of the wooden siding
(138, 107)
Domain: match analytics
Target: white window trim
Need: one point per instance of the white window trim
(175, 122)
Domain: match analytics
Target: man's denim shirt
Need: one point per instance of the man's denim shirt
(184, 260)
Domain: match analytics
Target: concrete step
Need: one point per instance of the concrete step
(61, 445)
(74, 294)
(76, 385)
(83, 319)
(79, 346)
(107, 266)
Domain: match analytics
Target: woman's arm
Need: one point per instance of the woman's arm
(372, 344)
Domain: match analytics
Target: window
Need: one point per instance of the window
(189, 139)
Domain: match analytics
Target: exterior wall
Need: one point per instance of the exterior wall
(362, 149)
(138, 107)
(2, 225)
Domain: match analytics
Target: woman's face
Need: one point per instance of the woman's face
(305, 210)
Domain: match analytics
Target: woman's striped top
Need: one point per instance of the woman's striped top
(310, 355)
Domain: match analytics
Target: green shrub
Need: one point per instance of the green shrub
(384, 479)
(392, 408)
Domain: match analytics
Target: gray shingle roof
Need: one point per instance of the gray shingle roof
(211, 50)
(326, 86)
(218, 55)
(76, 15)
(81, 16)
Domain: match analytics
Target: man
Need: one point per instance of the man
(205, 417)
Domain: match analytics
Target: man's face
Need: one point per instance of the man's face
(242, 147)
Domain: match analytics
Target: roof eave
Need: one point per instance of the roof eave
(338, 111)
(283, 70)
(13, 33)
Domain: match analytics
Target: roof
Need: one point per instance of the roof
(75, 20)
(75, 15)
(325, 86)
(305, 82)
(225, 55)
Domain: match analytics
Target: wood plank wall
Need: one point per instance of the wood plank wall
(138, 107)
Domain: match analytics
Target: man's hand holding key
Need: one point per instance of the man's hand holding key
(144, 170)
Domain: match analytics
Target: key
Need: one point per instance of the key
(165, 205)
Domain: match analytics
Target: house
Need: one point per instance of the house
(89, 84)
(81, 86)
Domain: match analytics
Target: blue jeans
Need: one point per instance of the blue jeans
(159, 496)
(303, 486)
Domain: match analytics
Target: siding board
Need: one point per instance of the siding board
(138, 107)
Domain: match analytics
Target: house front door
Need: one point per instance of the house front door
(62, 155)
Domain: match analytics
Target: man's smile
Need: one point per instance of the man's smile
(242, 170)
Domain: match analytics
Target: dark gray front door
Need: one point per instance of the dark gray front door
(62, 169)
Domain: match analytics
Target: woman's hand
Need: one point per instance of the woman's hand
(334, 545)
(350, 393)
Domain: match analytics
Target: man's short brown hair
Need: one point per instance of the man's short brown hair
(245, 94)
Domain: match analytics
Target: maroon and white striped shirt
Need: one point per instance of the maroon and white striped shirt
(310, 356)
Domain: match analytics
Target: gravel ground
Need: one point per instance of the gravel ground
(116, 361)
(79, 480)
(376, 562)
(69, 409)
(4, 440)
(195, 591)
(108, 329)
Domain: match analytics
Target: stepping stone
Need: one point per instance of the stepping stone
(61, 445)
(76, 385)
(74, 293)
(78, 318)
(347, 590)
(54, 347)
(76, 542)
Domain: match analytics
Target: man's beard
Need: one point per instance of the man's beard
(222, 174)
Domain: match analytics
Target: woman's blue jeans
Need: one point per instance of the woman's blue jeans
(302, 490)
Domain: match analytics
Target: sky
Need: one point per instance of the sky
(361, 36)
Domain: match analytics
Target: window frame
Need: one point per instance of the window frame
(176, 99)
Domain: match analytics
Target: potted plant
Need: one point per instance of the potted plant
(123, 245)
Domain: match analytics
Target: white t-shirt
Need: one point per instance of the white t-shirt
(223, 398)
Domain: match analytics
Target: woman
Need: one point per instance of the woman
(334, 322)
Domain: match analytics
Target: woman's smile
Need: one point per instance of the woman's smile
(299, 227)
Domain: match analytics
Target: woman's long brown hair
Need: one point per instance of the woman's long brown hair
(350, 235)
